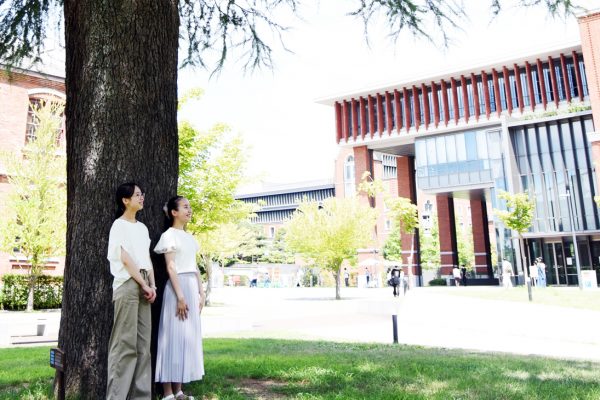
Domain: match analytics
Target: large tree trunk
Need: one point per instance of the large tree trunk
(121, 124)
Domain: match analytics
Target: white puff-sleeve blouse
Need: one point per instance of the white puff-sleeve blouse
(183, 245)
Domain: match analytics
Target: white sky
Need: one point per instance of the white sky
(290, 138)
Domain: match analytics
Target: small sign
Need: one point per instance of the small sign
(569, 261)
(57, 359)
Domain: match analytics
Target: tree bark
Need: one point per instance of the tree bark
(338, 275)
(30, 291)
(524, 264)
(121, 124)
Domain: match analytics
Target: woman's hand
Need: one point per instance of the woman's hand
(182, 309)
(149, 293)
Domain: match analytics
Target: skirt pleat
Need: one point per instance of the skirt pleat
(179, 355)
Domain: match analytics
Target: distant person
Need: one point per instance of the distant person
(367, 275)
(541, 271)
(463, 275)
(395, 281)
(533, 273)
(507, 273)
(346, 277)
(457, 276)
(267, 280)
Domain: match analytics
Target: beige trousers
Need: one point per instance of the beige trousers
(129, 363)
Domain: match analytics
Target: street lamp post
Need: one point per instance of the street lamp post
(568, 196)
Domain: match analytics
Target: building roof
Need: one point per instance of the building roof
(52, 65)
(508, 61)
(294, 187)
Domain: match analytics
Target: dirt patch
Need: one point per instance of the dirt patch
(259, 389)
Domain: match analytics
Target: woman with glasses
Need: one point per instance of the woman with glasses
(179, 356)
(129, 368)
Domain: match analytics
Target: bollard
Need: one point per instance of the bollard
(395, 327)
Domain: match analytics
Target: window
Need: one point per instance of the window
(389, 166)
(388, 225)
(271, 232)
(32, 120)
(349, 178)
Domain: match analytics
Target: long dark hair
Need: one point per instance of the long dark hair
(124, 191)
(171, 205)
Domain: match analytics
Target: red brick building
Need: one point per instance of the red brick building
(19, 89)
(524, 124)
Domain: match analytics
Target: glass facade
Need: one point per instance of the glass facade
(466, 158)
(555, 167)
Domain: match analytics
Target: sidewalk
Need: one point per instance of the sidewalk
(426, 317)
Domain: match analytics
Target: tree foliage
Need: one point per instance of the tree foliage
(213, 30)
(330, 232)
(35, 221)
(429, 245)
(519, 212)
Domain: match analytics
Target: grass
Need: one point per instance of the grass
(553, 296)
(273, 369)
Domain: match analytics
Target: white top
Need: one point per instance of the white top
(134, 238)
(183, 245)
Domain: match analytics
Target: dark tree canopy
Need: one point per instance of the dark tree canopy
(211, 29)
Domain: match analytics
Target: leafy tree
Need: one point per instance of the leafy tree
(331, 233)
(405, 214)
(392, 248)
(466, 249)
(35, 222)
(221, 244)
(518, 217)
(211, 167)
(276, 250)
(121, 78)
(429, 245)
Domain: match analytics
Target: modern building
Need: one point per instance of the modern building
(277, 203)
(524, 124)
(20, 90)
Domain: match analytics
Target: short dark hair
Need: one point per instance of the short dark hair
(124, 191)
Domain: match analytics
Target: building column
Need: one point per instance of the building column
(447, 232)
(589, 27)
(407, 187)
(481, 238)
(363, 162)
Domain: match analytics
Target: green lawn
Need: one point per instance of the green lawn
(273, 369)
(553, 296)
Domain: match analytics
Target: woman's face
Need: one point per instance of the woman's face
(183, 212)
(136, 201)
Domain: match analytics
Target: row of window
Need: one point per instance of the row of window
(557, 79)
(291, 199)
(556, 168)
(265, 217)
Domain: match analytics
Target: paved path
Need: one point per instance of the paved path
(427, 317)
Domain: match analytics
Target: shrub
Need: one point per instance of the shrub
(437, 282)
(47, 293)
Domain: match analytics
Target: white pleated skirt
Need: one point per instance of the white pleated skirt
(179, 355)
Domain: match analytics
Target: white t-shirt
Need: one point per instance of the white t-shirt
(183, 245)
(456, 272)
(134, 238)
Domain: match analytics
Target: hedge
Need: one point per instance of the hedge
(438, 282)
(47, 294)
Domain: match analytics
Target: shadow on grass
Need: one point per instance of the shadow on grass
(275, 369)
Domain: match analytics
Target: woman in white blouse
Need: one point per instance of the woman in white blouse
(129, 369)
(179, 357)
